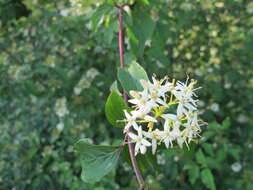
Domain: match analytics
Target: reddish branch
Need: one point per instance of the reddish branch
(121, 48)
(122, 64)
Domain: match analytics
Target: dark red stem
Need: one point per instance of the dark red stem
(121, 36)
(122, 64)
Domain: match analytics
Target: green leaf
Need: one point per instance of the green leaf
(146, 1)
(158, 45)
(126, 80)
(90, 2)
(208, 148)
(142, 30)
(137, 71)
(129, 58)
(225, 124)
(193, 174)
(128, 20)
(200, 157)
(209, 134)
(130, 77)
(114, 87)
(98, 15)
(114, 109)
(213, 163)
(145, 161)
(97, 161)
(207, 178)
(235, 152)
(132, 36)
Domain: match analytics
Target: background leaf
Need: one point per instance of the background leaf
(207, 179)
(142, 30)
(200, 157)
(193, 173)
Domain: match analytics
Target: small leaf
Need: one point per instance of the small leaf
(128, 20)
(130, 77)
(126, 80)
(137, 71)
(225, 124)
(207, 178)
(129, 58)
(97, 161)
(193, 174)
(146, 1)
(114, 87)
(98, 15)
(208, 148)
(200, 157)
(132, 36)
(208, 134)
(114, 109)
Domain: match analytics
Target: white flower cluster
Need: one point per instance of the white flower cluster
(164, 112)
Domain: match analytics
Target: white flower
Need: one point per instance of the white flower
(184, 105)
(172, 117)
(154, 136)
(60, 126)
(130, 122)
(192, 127)
(162, 102)
(149, 118)
(142, 100)
(61, 107)
(155, 89)
(187, 89)
(236, 167)
(214, 107)
(140, 142)
(167, 139)
(184, 93)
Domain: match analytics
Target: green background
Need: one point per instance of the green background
(58, 60)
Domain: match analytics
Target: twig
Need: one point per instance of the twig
(122, 64)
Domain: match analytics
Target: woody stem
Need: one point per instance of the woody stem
(122, 64)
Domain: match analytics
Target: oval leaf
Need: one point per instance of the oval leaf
(114, 109)
(97, 161)
(130, 77)
(200, 157)
(193, 173)
(207, 178)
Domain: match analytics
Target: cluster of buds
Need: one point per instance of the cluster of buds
(164, 112)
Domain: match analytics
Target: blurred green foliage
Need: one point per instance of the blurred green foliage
(58, 60)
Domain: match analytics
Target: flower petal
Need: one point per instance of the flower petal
(143, 149)
(137, 147)
(134, 101)
(149, 118)
(134, 124)
(147, 134)
(170, 116)
(145, 142)
(132, 136)
(154, 146)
